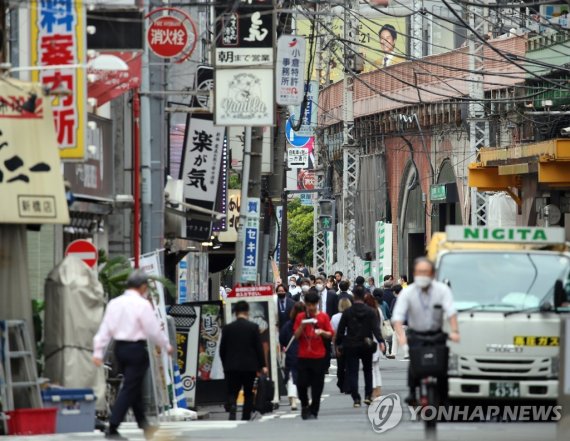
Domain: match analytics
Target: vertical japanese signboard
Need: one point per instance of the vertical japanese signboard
(231, 234)
(251, 240)
(58, 38)
(200, 171)
(290, 70)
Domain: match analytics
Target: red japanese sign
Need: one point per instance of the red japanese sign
(171, 33)
(251, 291)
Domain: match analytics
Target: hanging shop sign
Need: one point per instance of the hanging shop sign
(251, 241)
(58, 38)
(244, 97)
(231, 234)
(171, 33)
(309, 123)
(200, 171)
(245, 34)
(290, 70)
(31, 183)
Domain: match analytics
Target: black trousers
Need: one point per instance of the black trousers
(134, 362)
(341, 373)
(353, 357)
(235, 381)
(311, 373)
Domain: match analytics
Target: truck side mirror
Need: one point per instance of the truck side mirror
(559, 294)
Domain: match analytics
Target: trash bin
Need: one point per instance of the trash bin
(75, 409)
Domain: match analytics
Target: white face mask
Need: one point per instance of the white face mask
(422, 281)
(305, 288)
(319, 286)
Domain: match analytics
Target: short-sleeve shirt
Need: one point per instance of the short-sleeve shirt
(311, 345)
(424, 310)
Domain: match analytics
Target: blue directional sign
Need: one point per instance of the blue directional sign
(295, 139)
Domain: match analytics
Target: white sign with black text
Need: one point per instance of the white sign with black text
(202, 159)
(298, 157)
(244, 97)
(290, 70)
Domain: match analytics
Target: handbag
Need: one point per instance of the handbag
(386, 329)
(370, 344)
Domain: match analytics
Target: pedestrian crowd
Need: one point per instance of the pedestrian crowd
(319, 318)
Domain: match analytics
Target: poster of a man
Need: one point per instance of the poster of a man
(388, 36)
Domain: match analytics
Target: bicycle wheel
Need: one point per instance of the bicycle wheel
(432, 401)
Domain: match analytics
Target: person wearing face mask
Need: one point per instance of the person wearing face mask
(370, 285)
(424, 304)
(284, 305)
(293, 288)
(328, 298)
(130, 320)
(305, 286)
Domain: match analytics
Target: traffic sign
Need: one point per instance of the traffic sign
(298, 157)
(83, 249)
(292, 137)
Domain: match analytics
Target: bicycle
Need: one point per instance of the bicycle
(428, 363)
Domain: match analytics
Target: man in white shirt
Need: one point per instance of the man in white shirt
(130, 320)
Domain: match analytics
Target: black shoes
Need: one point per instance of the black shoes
(368, 400)
(114, 434)
(356, 403)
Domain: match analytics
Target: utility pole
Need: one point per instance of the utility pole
(319, 237)
(152, 145)
(350, 147)
(478, 122)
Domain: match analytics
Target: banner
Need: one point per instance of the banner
(251, 241)
(198, 333)
(58, 38)
(31, 182)
(234, 205)
(383, 242)
(200, 171)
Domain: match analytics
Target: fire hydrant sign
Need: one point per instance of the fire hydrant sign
(171, 33)
(298, 157)
(290, 70)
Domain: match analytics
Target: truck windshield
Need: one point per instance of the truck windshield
(502, 281)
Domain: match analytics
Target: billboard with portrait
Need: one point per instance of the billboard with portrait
(382, 41)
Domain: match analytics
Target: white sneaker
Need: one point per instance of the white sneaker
(293, 403)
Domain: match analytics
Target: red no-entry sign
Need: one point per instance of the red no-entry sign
(83, 249)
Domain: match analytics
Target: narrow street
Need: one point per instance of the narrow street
(338, 420)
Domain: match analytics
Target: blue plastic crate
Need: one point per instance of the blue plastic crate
(75, 409)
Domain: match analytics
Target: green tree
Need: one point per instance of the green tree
(300, 231)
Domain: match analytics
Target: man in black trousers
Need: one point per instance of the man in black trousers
(242, 357)
(130, 320)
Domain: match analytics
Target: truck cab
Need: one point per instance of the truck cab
(510, 286)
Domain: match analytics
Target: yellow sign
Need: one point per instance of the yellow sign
(382, 42)
(31, 181)
(536, 341)
(58, 38)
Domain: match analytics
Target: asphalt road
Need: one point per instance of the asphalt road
(338, 420)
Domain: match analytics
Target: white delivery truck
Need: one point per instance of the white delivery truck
(510, 286)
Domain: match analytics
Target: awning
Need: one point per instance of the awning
(31, 182)
(502, 169)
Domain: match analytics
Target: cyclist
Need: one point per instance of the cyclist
(424, 304)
